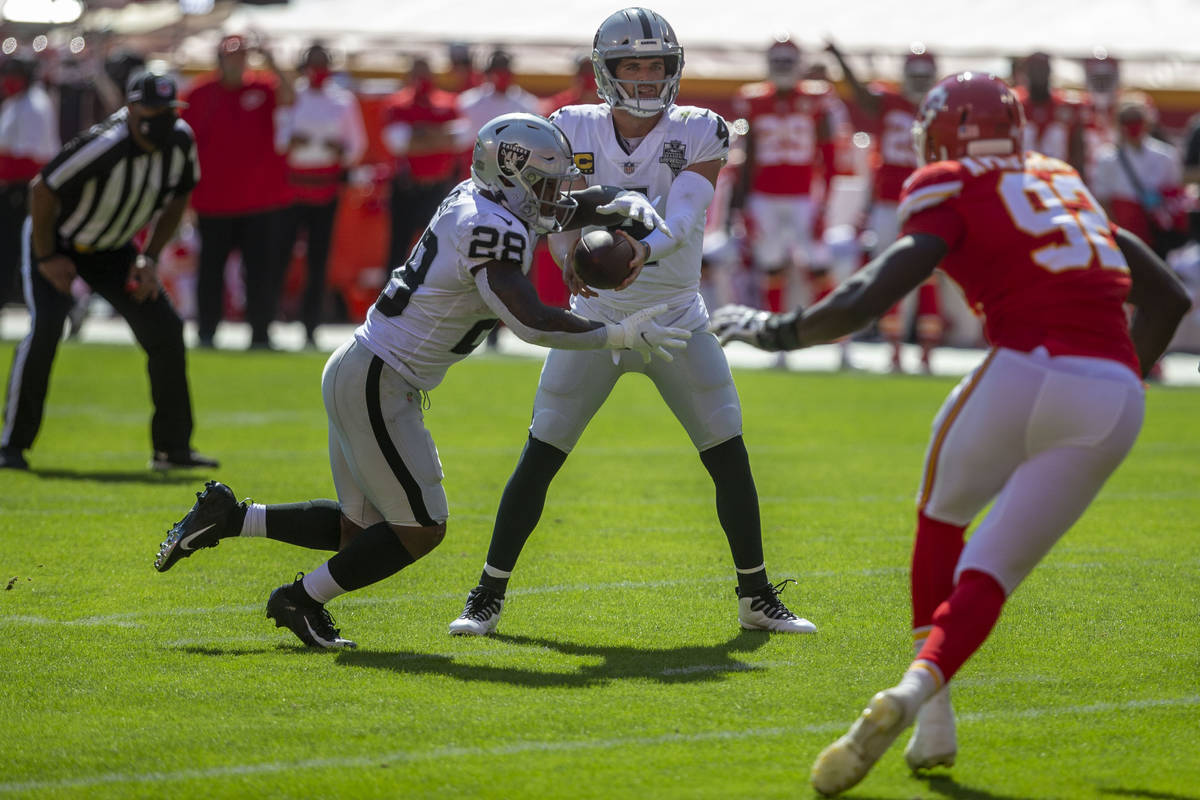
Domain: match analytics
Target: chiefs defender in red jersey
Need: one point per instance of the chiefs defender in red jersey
(1038, 427)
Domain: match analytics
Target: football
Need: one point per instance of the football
(602, 259)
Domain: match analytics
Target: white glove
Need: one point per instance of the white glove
(635, 206)
(640, 332)
(738, 323)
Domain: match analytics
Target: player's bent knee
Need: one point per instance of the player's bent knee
(420, 541)
(555, 429)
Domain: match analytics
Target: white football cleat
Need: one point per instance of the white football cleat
(933, 743)
(481, 614)
(848, 760)
(766, 612)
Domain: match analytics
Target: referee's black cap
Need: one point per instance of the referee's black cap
(152, 89)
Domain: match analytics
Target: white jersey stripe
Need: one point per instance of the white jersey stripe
(86, 155)
(927, 198)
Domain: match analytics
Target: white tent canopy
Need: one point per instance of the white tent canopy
(1155, 40)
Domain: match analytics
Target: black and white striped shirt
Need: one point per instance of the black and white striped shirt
(109, 188)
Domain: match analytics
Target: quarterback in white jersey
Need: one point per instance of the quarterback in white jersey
(467, 272)
(638, 139)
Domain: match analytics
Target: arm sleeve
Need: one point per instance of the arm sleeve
(687, 203)
(562, 340)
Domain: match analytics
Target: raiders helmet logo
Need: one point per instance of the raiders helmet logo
(512, 158)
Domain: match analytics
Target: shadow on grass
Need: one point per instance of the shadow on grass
(946, 786)
(109, 476)
(251, 650)
(667, 665)
(1122, 791)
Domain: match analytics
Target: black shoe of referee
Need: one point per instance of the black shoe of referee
(181, 459)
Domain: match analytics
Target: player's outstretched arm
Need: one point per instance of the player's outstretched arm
(612, 205)
(512, 297)
(1159, 297)
(864, 296)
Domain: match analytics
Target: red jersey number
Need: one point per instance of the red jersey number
(1063, 204)
(785, 139)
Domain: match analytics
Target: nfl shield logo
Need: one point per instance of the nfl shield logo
(629, 167)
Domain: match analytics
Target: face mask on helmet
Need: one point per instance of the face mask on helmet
(642, 34)
(503, 164)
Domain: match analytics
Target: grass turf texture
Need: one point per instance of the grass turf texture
(620, 670)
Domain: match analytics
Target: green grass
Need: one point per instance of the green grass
(620, 671)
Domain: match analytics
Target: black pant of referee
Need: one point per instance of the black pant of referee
(155, 325)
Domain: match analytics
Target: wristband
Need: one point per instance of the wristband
(779, 332)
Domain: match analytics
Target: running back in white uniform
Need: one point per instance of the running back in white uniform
(431, 315)
(685, 135)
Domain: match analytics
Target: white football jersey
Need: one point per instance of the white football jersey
(685, 135)
(431, 315)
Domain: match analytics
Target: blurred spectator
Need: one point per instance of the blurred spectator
(322, 135)
(1139, 179)
(463, 74)
(1054, 123)
(28, 140)
(497, 95)
(581, 90)
(788, 147)
(888, 115)
(243, 184)
(419, 131)
(1191, 174)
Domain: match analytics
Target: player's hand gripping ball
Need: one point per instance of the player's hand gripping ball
(602, 259)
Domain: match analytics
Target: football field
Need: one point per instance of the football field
(619, 670)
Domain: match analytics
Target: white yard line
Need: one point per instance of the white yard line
(557, 746)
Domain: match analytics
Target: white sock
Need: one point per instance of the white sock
(919, 683)
(496, 573)
(320, 585)
(255, 523)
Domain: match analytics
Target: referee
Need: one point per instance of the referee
(86, 206)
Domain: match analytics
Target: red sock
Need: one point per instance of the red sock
(774, 299)
(935, 555)
(963, 622)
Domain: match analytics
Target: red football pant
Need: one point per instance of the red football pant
(962, 623)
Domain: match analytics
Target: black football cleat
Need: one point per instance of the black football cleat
(292, 608)
(210, 520)
(181, 459)
(12, 458)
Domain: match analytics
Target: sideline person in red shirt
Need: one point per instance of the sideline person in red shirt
(418, 131)
(243, 184)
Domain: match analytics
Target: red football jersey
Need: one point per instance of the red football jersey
(1050, 125)
(895, 156)
(1031, 249)
(784, 127)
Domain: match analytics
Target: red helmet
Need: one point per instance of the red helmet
(968, 114)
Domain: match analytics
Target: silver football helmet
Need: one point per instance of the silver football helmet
(636, 33)
(526, 162)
